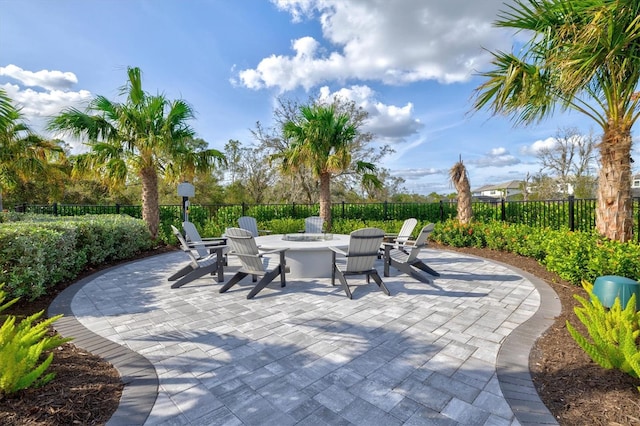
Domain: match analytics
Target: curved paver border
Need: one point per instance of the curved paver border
(137, 373)
(512, 364)
(141, 381)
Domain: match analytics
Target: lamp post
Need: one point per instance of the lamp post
(186, 190)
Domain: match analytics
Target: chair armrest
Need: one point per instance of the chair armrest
(273, 251)
(213, 239)
(207, 244)
(338, 251)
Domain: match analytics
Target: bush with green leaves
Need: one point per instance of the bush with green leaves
(22, 346)
(568, 254)
(456, 234)
(614, 333)
(36, 255)
(574, 256)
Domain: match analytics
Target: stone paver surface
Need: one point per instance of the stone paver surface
(306, 354)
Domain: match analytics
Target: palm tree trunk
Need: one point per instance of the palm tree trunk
(614, 213)
(325, 199)
(150, 209)
(460, 179)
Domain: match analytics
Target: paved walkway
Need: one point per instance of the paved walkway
(455, 352)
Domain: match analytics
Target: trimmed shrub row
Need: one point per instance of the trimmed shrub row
(574, 256)
(38, 252)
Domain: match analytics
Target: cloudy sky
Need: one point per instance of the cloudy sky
(411, 64)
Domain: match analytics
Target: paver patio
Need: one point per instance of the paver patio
(455, 352)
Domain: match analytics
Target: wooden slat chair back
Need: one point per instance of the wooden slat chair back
(253, 262)
(360, 257)
(406, 231)
(405, 258)
(313, 225)
(250, 224)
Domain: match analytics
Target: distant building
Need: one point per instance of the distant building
(504, 190)
(635, 185)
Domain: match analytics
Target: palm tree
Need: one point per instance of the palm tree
(460, 180)
(321, 140)
(582, 55)
(23, 154)
(146, 134)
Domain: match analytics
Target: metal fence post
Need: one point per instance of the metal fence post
(503, 210)
(441, 211)
(55, 209)
(117, 208)
(244, 209)
(293, 209)
(572, 219)
(343, 209)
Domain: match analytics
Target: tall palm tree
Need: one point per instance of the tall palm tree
(147, 134)
(582, 55)
(23, 154)
(320, 140)
(460, 180)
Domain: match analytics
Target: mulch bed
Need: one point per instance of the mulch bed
(87, 390)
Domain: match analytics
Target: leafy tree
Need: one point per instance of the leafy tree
(569, 159)
(301, 185)
(252, 178)
(321, 140)
(147, 135)
(582, 55)
(24, 156)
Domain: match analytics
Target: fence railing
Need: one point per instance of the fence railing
(571, 213)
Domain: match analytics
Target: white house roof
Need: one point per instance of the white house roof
(513, 184)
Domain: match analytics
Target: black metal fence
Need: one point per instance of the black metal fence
(571, 213)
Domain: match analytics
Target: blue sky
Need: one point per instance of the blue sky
(410, 63)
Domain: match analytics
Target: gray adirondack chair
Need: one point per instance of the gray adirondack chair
(201, 261)
(360, 259)
(253, 262)
(313, 225)
(405, 257)
(204, 245)
(250, 224)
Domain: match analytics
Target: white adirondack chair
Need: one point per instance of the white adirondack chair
(255, 263)
(313, 225)
(250, 224)
(360, 258)
(202, 261)
(405, 257)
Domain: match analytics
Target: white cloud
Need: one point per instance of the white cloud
(45, 104)
(389, 122)
(395, 42)
(497, 157)
(538, 146)
(37, 106)
(50, 80)
(411, 174)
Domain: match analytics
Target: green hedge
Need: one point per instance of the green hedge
(574, 256)
(38, 252)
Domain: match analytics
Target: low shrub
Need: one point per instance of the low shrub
(456, 234)
(574, 256)
(36, 255)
